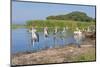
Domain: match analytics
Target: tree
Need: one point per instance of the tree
(76, 16)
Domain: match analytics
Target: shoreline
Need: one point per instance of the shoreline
(68, 53)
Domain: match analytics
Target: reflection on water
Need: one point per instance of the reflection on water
(21, 40)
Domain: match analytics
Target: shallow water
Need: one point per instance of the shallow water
(21, 41)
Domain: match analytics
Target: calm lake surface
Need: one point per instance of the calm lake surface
(21, 41)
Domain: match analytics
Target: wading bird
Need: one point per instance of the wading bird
(64, 30)
(78, 37)
(63, 33)
(88, 29)
(46, 32)
(35, 36)
(55, 34)
(46, 35)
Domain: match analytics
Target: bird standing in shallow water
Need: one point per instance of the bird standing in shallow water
(55, 34)
(46, 32)
(63, 34)
(78, 37)
(46, 35)
(35, 36)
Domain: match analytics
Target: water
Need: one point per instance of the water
(21, 41)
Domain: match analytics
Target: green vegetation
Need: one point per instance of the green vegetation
(59, 23)
(88, 55)
(75, 16)
(71, 20)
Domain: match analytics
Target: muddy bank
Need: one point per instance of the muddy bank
(69, 53)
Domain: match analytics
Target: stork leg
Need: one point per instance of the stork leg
(78, 43)
(54, 40)
(46, 42)
(39, 48)
(33, 43)
(62, 41)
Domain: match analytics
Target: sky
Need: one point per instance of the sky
(24, 11)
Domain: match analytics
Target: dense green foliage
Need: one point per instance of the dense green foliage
(59, 23)
(76, 16)
(71, 20)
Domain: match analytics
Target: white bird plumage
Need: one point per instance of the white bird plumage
(35, 36)
(78, 36)
(46, 32)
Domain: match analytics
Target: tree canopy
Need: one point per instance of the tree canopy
(76, 16)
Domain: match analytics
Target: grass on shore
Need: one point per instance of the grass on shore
(89, 55)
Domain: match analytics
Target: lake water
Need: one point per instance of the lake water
(21, 41)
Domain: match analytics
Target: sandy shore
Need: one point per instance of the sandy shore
(66, 54)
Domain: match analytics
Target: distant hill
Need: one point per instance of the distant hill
(76, 16)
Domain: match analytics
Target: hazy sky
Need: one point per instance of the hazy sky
(23, 11)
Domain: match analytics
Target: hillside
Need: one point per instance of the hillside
(75, 16)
